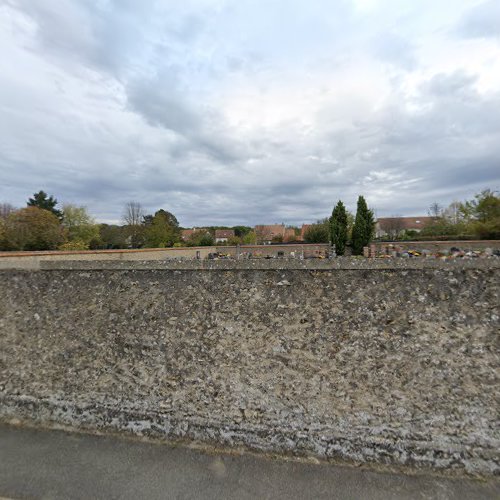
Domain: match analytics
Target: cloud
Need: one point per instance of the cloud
(394, 49)
(481, 21)
(232, 112)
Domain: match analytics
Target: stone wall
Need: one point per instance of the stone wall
(370, 362)
(36, 260)
(437, 246)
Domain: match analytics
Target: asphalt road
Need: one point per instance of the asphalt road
(55, 464)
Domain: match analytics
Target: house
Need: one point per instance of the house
(187, 234)
(267, 234)
(223, 235)
(392, 227)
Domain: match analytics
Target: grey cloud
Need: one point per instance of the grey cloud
(162, 102)
(147, 128)
(455, 84)
(112, 36)
(481, 21)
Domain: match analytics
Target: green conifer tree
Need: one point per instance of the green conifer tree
(42, 200)
(338, 228)
(362, 232)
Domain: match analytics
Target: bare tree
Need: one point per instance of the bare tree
(392, 226)
(435, 210)
(5, 210)
(133, 217)
(133, 214)
(453, 212)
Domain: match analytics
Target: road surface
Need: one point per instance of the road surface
(59, 465)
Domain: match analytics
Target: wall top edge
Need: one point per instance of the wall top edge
(340, 263)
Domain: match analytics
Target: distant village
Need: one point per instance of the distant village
(43, 225)
(391, 227)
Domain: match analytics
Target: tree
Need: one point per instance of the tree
(234, 241)
(80, 227)
(435, 210)
(362, 232)
(112, 237)
(133, 218)
(5, 210)
(392, 226)
(33, 228)
(45, 202)
(147, 220)
(201, 238)
(338, 228)
(318, 233)
(241, 231)
(479, 217)
(453, 213)
(486, 206)
(250, 238)
(485, 209)
(133, 214)
(162, 230)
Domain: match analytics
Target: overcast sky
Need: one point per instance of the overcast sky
(249, 111)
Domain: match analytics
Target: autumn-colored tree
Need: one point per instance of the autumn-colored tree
(33, 228)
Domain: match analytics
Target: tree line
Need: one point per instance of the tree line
(342, 228)
(475, 218)
(42, 225)
(478, 218)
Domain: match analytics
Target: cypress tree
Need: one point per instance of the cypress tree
(338, 228)
(362, 232)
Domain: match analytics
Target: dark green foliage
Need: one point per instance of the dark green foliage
(162, 230)
(112, 237)
(362, 232)
(338, 228)
(241, 231)
(201, 238)
(41, 200)
(476, 218)
(147, 220)
(318, 233)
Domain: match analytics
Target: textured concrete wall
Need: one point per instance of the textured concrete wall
(436, 246)
(396, 365)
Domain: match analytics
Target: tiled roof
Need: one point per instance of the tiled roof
(402, 223)
(270, 230)
(224, 233)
